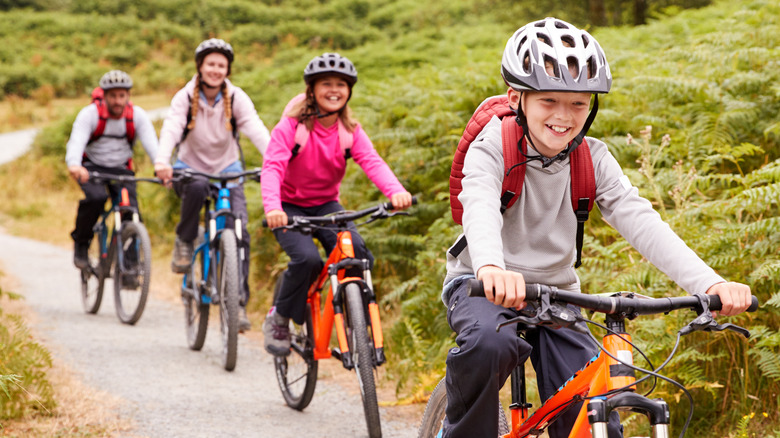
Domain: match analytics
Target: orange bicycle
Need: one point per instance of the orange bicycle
(607, 383)
(350, 305)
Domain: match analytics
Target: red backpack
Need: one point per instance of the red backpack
(583, 180)
(103, 115)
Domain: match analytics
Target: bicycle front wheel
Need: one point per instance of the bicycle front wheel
(362, 348)
(93, 277)
(297, 372)
(131, 281)
(196, 312)
(433, 417)
(227, 281)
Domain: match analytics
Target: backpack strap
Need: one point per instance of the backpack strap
(103, 116)
(514, 174)
(583, 191)
(346, 139)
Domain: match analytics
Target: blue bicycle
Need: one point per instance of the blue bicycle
(215, 275)
(120, 249)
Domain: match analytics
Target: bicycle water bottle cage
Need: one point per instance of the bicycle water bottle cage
(705, 322)
(550, 315)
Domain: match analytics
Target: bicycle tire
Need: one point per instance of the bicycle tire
(227, 287)
(362, 349)
(433, 416)
(130, 300)
(297, 372)
(196, 312)
(93, 277)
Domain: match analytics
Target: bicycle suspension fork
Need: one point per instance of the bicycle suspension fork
(337, 290)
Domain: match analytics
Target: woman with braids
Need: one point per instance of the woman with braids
(203, 125)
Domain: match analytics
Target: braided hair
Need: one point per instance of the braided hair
(226, 98)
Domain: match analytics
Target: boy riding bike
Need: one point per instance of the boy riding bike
(203, 125)
(302, 176)
(552, 70)
(102, 141)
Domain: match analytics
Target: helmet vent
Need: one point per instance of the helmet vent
(544, 38)
(549, 61)
(585, 40)
(561, 25)
(574, 67)
(568, 41)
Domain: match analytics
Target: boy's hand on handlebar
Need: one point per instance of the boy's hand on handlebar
(276, 218)
(401, 201)
(79, 173)
(509, 287)
(164, 172)
(735, 297)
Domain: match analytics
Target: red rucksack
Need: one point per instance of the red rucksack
(583, 180)
(103, 115)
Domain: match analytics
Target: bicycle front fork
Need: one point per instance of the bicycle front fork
(657, 412)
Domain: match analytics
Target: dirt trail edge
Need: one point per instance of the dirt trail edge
(167, 389)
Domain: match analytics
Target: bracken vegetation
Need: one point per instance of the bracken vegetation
(692, 117)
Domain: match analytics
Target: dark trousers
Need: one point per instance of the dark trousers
(483, 360)
(95, 197)
(193, 194)
(305, 261)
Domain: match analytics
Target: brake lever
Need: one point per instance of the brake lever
(550, 315)
(705, 322)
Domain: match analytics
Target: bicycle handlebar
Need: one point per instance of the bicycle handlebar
(614, 304)
(183, 174)
(107, 177)
(296, 222)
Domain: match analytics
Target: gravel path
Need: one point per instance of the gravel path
(167, 389)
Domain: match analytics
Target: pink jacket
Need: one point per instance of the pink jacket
(314, 176)
(210, 146)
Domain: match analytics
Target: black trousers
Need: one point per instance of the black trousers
(95, 197)
(193, 194)
(305, 261)
(483, 360)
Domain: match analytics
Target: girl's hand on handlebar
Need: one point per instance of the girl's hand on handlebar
(276, 218)
(509, 287)
(164, 172)
(401, 201)
(735, 297)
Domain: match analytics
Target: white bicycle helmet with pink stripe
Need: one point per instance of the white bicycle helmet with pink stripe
(563, 46)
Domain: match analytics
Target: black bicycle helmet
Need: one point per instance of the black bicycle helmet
(562, 45)
(330, 63)
(115, 79)
(214, 45)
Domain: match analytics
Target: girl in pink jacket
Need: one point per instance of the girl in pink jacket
(302, 172)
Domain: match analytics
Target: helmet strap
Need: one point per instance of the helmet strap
(547, 161)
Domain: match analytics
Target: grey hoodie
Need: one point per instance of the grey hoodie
(536, 236)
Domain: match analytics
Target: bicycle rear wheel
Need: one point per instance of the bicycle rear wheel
(362, 348)
(227, 281)
(92, 277)
(297, 372)
(131, 281)
(433, 417)
(196, 312)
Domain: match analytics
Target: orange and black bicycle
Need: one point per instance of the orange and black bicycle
(607, 383)
(349, 303)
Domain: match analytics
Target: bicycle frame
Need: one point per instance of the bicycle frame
(119, 206)
(600, 376)
(323, 318)
(214, 225)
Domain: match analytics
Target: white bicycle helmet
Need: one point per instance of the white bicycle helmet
(332, 63)
(115, 79)
(562, 45)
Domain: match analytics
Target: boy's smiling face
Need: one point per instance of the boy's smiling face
(554, 118)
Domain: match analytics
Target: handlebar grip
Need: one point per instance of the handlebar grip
(715, 303)
(476, 289)
(389, 205)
